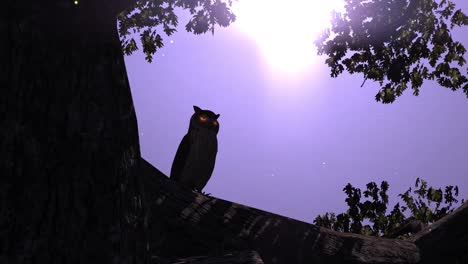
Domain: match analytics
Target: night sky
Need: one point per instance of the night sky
(290, 140)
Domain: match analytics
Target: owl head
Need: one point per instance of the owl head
(204, 119)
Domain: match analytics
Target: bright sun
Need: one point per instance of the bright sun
(285, 30)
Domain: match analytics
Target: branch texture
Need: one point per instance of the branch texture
(185, 223)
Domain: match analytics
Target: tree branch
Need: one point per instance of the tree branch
(446, 238)
(185, 223)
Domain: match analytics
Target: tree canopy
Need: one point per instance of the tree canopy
(150, 18)
(397, 43)
(424, 204)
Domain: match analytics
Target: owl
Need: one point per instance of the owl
(196, 156)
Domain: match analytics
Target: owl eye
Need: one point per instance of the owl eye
(215, 123)
(203, 118)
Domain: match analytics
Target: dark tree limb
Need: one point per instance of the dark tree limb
(185, 223)
(445, 239)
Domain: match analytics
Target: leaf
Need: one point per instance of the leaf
(459, 19)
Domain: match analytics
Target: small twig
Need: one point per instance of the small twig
(364, 82)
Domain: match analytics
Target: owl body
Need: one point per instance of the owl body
(196, 156)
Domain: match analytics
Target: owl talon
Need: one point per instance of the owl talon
(198, 191)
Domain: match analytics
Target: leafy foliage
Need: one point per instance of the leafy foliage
(370, 217)
(397, 42)
(149, 14)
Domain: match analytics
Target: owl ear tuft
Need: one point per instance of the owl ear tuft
(217, 116)
(196, 108)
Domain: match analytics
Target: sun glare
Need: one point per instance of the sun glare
(285, 30)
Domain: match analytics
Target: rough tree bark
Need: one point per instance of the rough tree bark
(68, 137)
(184, 223)
(189, 223)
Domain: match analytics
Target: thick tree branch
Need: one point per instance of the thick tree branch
(185, 223)
(445, 238)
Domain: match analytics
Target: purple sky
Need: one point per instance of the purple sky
(289, 146)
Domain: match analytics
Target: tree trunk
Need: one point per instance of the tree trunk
(68, 139)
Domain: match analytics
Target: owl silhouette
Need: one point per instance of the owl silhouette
(196, 156)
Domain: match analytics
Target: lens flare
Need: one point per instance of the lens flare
(285, 30)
